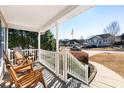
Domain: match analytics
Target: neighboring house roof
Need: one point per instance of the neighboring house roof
(68, 42)
(73, 40)
(105, 35)
(102, 36)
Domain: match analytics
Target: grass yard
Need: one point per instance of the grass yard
(114, 61)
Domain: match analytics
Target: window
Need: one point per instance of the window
(0, 44)
(2, 39)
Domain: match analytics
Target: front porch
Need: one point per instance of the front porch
(56, 77)
(61, 68)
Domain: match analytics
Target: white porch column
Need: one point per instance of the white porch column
(7, 47)
(57, 37)
(86, 74)
(57, 49)
(38, 46)
(7, 38)
(65, 66)
(7, 42)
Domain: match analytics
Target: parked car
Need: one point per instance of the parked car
(91, 46)
(75, 48)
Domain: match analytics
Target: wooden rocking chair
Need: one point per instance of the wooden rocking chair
(23, 61)
(28, 80)
(20, 58)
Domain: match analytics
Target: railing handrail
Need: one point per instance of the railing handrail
(11, 50)
(53, 52)
(47, 51)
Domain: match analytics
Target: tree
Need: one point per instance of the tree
(113, 29)
(22, 38)
(25, 39)
(122, 36)
(48, 42)
(13, 39)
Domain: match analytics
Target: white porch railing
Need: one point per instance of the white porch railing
(61, 64)
(53, 61)
(67, 64)
(48, 58)
(1, 70)
(25, 52)
(76, 68)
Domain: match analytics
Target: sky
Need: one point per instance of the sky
(92, 22)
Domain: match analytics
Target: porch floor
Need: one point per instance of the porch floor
(52, 81)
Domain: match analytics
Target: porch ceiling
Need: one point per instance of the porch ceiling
(39, 17)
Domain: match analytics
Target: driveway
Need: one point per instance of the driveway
(94, 52)
(105, 77)
(91, 52)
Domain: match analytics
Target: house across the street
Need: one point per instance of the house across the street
(101, 40)
(68, 42)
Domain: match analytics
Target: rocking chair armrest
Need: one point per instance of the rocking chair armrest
(24, 61)
(20, 78)
(35, 72)
(16, 68)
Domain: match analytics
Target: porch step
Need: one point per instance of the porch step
(73, 83)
